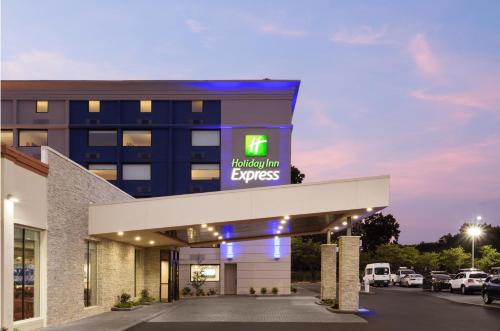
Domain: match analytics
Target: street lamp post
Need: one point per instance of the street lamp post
(474, 231)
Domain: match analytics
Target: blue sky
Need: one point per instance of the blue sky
(406, 88)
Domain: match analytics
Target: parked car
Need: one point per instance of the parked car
(468, 282)
(436, 281)
(491, 289)
(402, 271)
(412, 280)
(378, 274)
(495, 271)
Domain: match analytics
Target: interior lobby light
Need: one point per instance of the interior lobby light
(280, 227)
(120, 233)
(151, 242)
(203, 225)
(335, 227)
(137, 238)
(369, 209)
(223, 243)
(278, 232)
(344, 223)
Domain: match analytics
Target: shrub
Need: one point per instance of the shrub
(252, 290)
(293, 289)
(186, 291)
(274, 290)
(263, 290)
(212, 291)
(146, 297)
(124, 301)
(200, 292)
(328, 302)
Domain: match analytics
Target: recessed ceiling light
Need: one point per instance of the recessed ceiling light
(220, 237)
(355, 217)
(210, 228)
(151, 242)
(223, 243)
(280, 227)
(344, 223)
(216, 233)
(278, 232)
(276, 237)
(335, 227)
(283, 221)
(120, 233)
(287, 217)
(369, 209)
(203, 225)
(137, 238)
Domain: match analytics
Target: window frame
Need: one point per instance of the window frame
(103, 163)
(205, 130)
(32, 130)
(101, 130)
(137, 163)
(212, 179)
(137, 130)
(37, 109)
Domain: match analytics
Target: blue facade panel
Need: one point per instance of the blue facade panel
(171, 152)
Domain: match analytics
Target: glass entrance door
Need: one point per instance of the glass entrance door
(169, 275)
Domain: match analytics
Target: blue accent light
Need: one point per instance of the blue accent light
(229, 251)
(277, 250)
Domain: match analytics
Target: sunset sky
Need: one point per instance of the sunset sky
(410, 89)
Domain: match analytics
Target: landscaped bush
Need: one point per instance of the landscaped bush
(212, 291)
(146, 298)
(124, 301)
(263, 290)
(252, 291)
(293, 289)
(274, 290)
(186, 291)
(200, 292)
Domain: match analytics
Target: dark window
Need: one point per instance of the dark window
(102, 138)
(381, 271)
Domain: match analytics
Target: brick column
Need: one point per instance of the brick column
(328, 272)
(349, 273)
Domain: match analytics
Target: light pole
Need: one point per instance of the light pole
(473, 231)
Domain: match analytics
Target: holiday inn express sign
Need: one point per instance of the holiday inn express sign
(255, 167)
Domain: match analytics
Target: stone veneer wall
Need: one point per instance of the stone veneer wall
(349, 273)
(71, 189)
(328, 272)
(152, 271)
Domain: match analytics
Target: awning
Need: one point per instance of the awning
(205, 219)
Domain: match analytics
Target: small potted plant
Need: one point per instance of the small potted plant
(293, 289)
(263, 290)
(274, 290)
(186, 291)
(252, 291)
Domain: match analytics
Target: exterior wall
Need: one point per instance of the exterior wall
(30, 211)
(70, 190)
(188, 256)
(152, 271)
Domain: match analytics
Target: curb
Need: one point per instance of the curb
(482, 305)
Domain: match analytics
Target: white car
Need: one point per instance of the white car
(402, 271)
(468, 282)
(412, 280)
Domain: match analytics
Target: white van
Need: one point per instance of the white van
(378, 274)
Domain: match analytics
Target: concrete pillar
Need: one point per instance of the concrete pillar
(349, 273)
(328, 272)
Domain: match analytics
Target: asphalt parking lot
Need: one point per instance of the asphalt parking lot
(385, 310)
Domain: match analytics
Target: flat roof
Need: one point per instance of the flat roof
(243, 214)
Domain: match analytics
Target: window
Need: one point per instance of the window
(106, 171)
(7, 137)
(42, 106)
(32, 138)
(369, 271)
(102, 137)
(137, 138)
(90, 275)
(205, 171)
(205, 138)
(26, 273)
(94, 106)
(136, 172)
(145, 106)
(197, 106)
(381, 271)
(210, 271)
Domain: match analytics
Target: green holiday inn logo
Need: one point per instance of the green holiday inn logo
(255, 145)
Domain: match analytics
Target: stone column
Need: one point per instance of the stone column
(349, 273)
(328, 272)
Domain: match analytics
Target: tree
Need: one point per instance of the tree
(306, 255)
(427, 261)
(490, 257)
(453, 258)
(377, 230)
(297, 176)
(397, 256)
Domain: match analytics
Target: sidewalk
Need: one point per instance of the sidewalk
(114, 320)
(475, 300)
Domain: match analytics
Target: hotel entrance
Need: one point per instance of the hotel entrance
(169, 275)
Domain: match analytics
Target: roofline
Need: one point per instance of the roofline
(24, 160)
